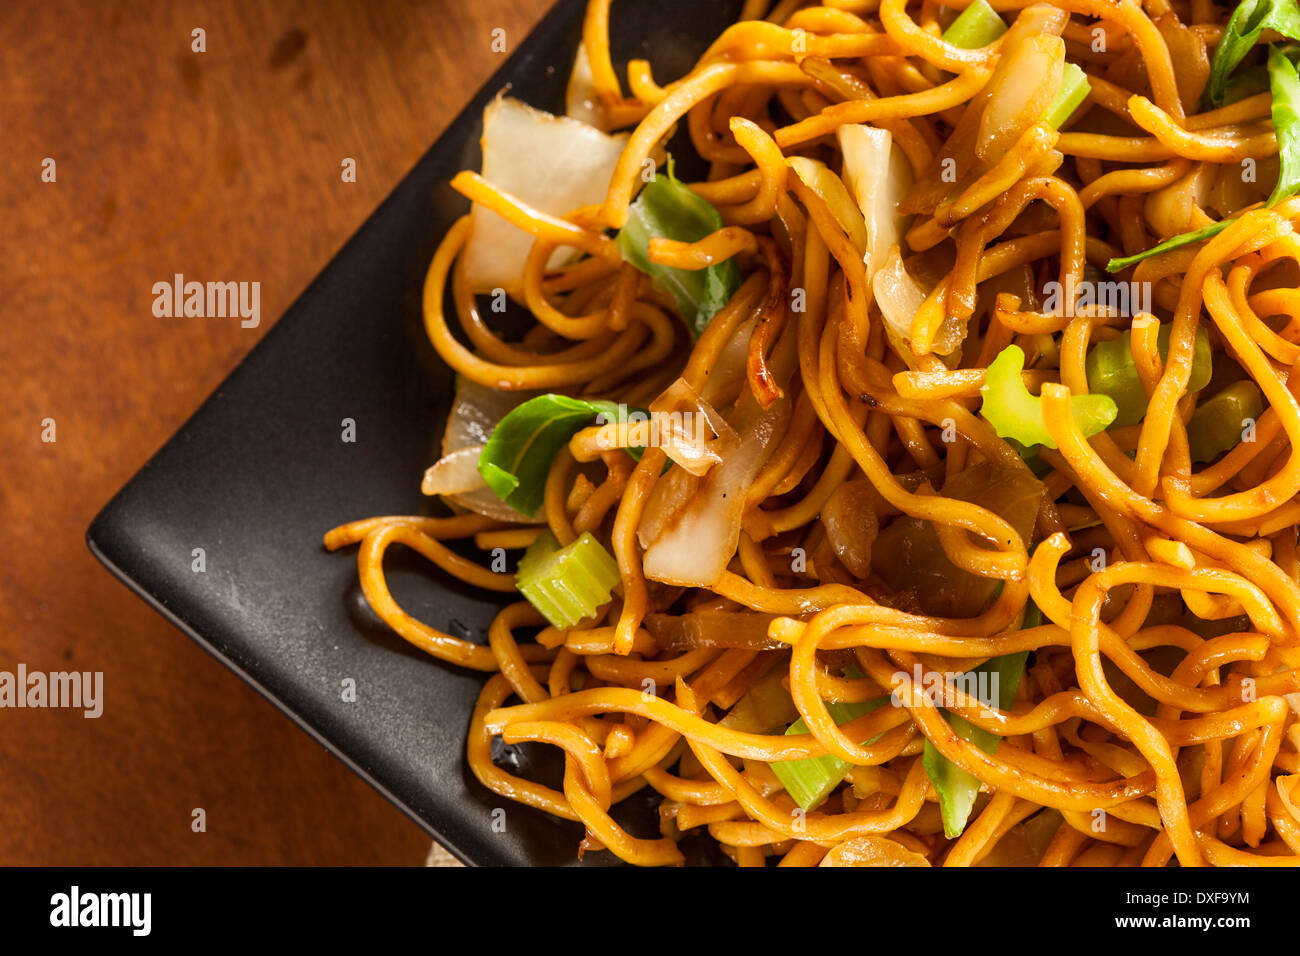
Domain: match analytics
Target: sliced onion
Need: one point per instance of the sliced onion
(766, 708)
(872, 851)
(689, 429)
(900, 295)
(936, 185)
(1188, 55)
(1019, 282)
(695, 629)
(699, 541)
(553, 163)
(1171, 210)
(1229, 192)
(671, 493)
(454, 474)
(729, 368)
(909, 557)
(697, 535)
(851, 524)
(1026, 842)
(581, 101)
(475, 411)
(485, 502)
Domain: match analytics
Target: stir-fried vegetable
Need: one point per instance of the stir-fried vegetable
(1218, 423)
(581, 99)
(518, 455)
(810, 781)
(910, 559)
(475, 411)
(766, 708)
(1168, 210)
(1015, 413)
(1074, 90)
(553, 163)
(1112, 371)
(818, 177)
(849, 516)
(1244, 29)
(709, 628)
(1027, 841)
(566, 584)
(900, 294)
(691, 524)
(956, 788)
(977, 26)
(1022, 89)
(1177, 242)
(1284, 83)
(872, 851)
(667, 209)
(879, 176)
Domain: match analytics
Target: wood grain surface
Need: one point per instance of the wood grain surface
(224, 163)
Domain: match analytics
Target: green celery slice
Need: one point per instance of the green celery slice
(567, 584)
(1217, 424)
(1015, 413)
(810, 781)
(1074, 90)
(977, 26)
(956, 788)
(1112, 371)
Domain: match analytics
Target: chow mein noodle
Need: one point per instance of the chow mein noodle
(914, 485)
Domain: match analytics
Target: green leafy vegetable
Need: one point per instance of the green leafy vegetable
(1014, 413)
(566, 584)
(1074, 90)
(1112, 371)
(956, 788)
(1284, 81)
(1245, 83)
(810, 781)
(518, 454)
(668, 209)
(1218, 423)
(977, 26)
(1176, 242)
(1248, 22)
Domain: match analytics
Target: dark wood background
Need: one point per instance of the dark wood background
(224, 163)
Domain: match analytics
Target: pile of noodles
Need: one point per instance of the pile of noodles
(1156, 696)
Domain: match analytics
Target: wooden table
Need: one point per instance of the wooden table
(221, 163)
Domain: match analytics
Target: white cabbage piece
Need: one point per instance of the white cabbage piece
(553, 163)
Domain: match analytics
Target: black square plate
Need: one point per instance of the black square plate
(261, 471)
